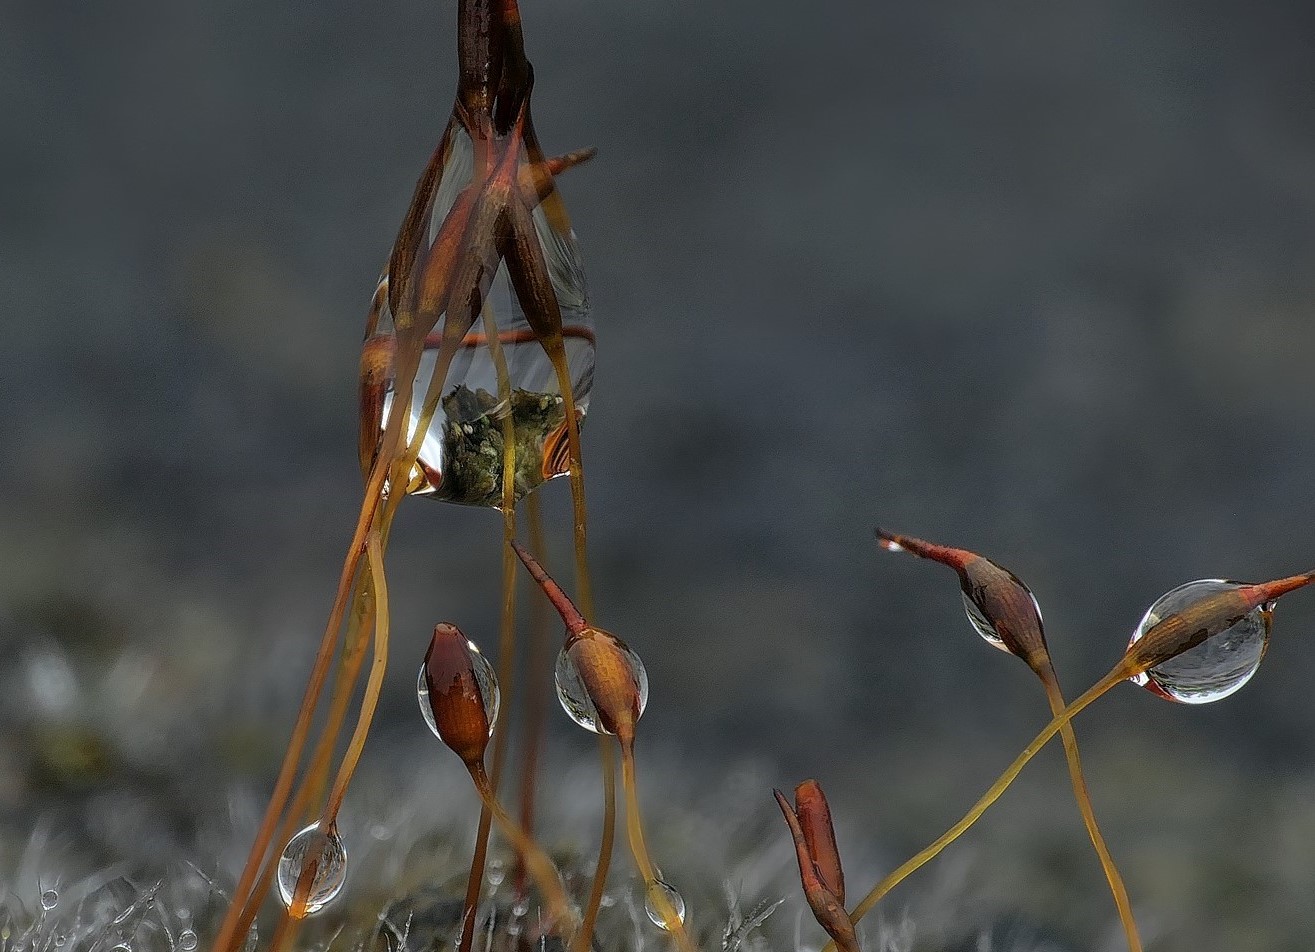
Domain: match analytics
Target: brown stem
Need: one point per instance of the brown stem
(1120, 673)
(674, 924)
(536, 860)
(540, 661)
(1083, 797)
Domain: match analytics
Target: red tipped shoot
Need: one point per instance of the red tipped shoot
(571, 616)
(1264, 592)
(828, 908)
(957, 559)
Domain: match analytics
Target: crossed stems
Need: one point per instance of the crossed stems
(489, 224)
(1167, 639)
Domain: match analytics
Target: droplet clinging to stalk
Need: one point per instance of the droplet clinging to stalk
(1220, 665)
(1204, 640)
(326, 852)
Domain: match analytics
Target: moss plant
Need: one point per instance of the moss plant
(475, 376)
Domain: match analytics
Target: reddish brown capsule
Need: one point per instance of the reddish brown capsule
(819, 861)
(1000, 607)
(458, 693)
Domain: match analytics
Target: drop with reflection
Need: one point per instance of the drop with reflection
(673, 899)
(327, 851)
(1219, 666)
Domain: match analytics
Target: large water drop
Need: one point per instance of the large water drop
(1217, 667)
(327, 852)
(461, 454)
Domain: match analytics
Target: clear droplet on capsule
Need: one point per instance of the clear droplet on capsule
(673, 899)
(574, 695)
(330, 872)
(1217, 667)
(485, 677)
(187, 940)
(981, 624)
(49, 899)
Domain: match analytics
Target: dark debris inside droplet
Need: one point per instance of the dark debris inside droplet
(473, 443)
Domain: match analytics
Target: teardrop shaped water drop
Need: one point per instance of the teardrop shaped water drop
(673, 899)
(1217, 667)
(489, 692)
(573, 692)
(980, 623)
(187, 940)
(461, 455)
(327, 851)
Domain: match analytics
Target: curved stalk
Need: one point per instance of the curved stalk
(911, 866)
(674, 925)
(541, 868)
(1083, 797)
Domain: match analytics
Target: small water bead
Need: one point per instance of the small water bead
(49, 899)
(674, 899)
(1214, 669)
(187, 940)
(330, 873)
(980, 623)
(489, 692)
(574, 695)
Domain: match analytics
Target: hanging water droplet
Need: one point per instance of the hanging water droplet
(49, 899)
(497, 873)
(461, 453)
(485, 677)
(59, 939)
(253, 939)
(326, 850)
(121, 947)
(573, 693)
(1217, 667)
(187, 940)
(980, 623)
(673, 899)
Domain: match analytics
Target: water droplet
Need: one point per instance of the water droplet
(330, 872)
(253, 939)
(497, 873)
(485, 677)
(121, 947)
(980, 623)
(673, 899)
(187, 940)
(521, 908)
(59, 939)
(461, 453)
(1217, 667)
(574, 694)
(49, 899)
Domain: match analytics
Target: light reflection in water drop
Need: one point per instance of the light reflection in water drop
(489, 692)
(1214, 669)
(674, 899)
(574, 694)
(330, 873)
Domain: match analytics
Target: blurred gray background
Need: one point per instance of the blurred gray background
(1029, 278)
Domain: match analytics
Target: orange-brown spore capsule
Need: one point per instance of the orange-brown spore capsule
(462, 693)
